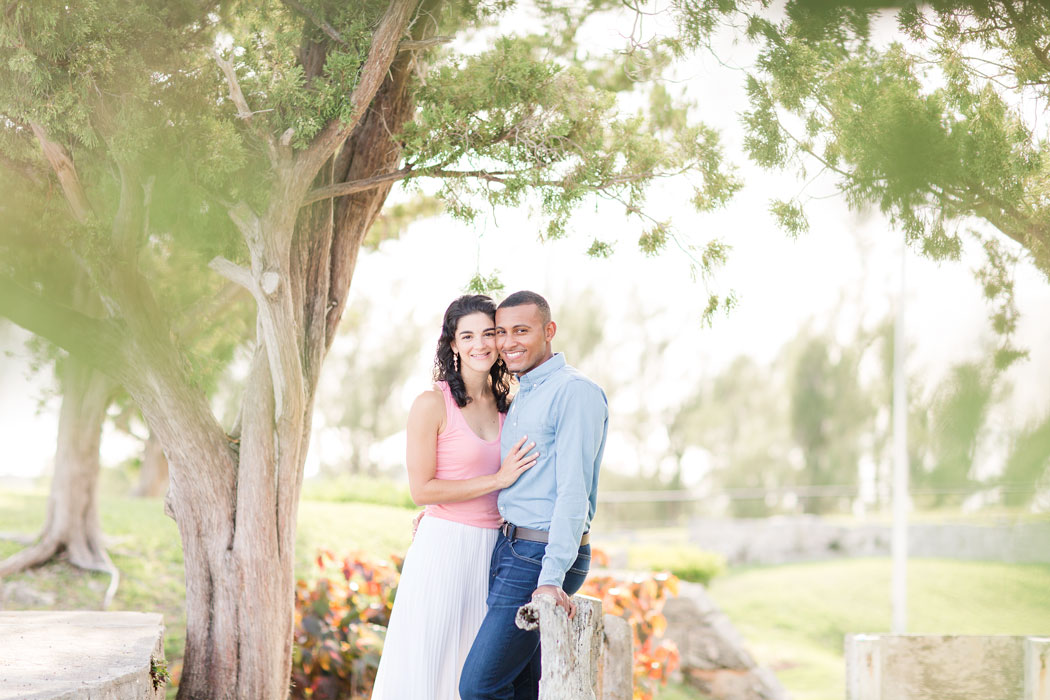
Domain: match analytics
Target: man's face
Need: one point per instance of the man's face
(522, 338)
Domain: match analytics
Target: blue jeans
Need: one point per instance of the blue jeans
(504, 663)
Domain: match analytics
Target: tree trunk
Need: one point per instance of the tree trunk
(153, 478)
(72, 524)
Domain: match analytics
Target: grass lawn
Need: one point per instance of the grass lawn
(795, 616)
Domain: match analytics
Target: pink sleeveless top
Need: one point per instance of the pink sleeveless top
(461, 454)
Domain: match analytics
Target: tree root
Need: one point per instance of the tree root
(49, 547)
(29, 557)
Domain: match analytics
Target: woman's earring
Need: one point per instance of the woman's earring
(455, 360)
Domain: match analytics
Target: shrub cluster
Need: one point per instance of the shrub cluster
(686, 562)
(340, 624)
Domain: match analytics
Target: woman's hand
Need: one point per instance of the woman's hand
(516, 462)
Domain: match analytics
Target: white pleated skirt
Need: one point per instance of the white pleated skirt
(439, 607)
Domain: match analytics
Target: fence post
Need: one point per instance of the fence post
(617, 662)
(569, 649)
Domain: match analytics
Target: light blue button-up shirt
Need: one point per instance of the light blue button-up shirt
(567, 416)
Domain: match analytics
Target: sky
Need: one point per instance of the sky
(845, 272)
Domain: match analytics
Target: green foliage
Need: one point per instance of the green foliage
(1028, 462)
(269, 36)
(790, 217)
(599, 249)
(683, 561)
(831, 412)
(933, 129)
(479, 284)
(158, 673)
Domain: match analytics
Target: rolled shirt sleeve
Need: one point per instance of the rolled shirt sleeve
(579, 439)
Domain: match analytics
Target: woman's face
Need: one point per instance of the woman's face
(475, 342)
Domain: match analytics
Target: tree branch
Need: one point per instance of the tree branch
(235, 273)
(422, 44)
(381, 55)
(243, 110)
(63, 166)
(92, 339)
(321, 24)
(354, 186)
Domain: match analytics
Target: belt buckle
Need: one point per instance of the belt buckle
(509, 529)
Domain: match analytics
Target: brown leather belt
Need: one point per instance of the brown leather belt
(514, 532)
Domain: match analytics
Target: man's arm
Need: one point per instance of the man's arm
(578, 433)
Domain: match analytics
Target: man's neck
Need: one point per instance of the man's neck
(550, 356)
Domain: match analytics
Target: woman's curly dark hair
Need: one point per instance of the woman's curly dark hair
(445, 370)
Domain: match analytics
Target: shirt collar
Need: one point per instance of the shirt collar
(536, 376)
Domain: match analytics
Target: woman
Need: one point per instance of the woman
(454, 470)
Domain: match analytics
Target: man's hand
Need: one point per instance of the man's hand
(560, 597)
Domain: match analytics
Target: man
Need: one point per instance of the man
(543, 546)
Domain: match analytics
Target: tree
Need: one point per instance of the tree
(933, 128)
(321, 108)
(831, 414)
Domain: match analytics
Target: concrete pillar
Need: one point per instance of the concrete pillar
(947, 667)
(863, 667)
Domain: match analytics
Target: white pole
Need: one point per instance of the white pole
(899, 596)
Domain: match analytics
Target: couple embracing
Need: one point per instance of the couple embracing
(510, 489)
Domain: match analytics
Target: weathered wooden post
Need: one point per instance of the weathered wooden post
(616, 677)
(582, 659)
(569, 649)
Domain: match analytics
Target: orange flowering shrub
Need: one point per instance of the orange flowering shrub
(340, 625)
(641, 601)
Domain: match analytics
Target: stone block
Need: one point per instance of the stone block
(80, 655)
(932, 667)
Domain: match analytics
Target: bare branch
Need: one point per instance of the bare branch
(321, 24)
(235, 273)
(243, 110)
(63, 166)
(422, 44)
(94, 340)
(354, 186)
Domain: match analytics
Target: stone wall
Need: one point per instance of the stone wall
(785, 539)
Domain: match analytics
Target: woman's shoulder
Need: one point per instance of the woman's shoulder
(431, 398)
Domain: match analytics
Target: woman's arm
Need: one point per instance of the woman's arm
(424, 423)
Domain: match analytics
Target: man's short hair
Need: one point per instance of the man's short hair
(525, 297)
